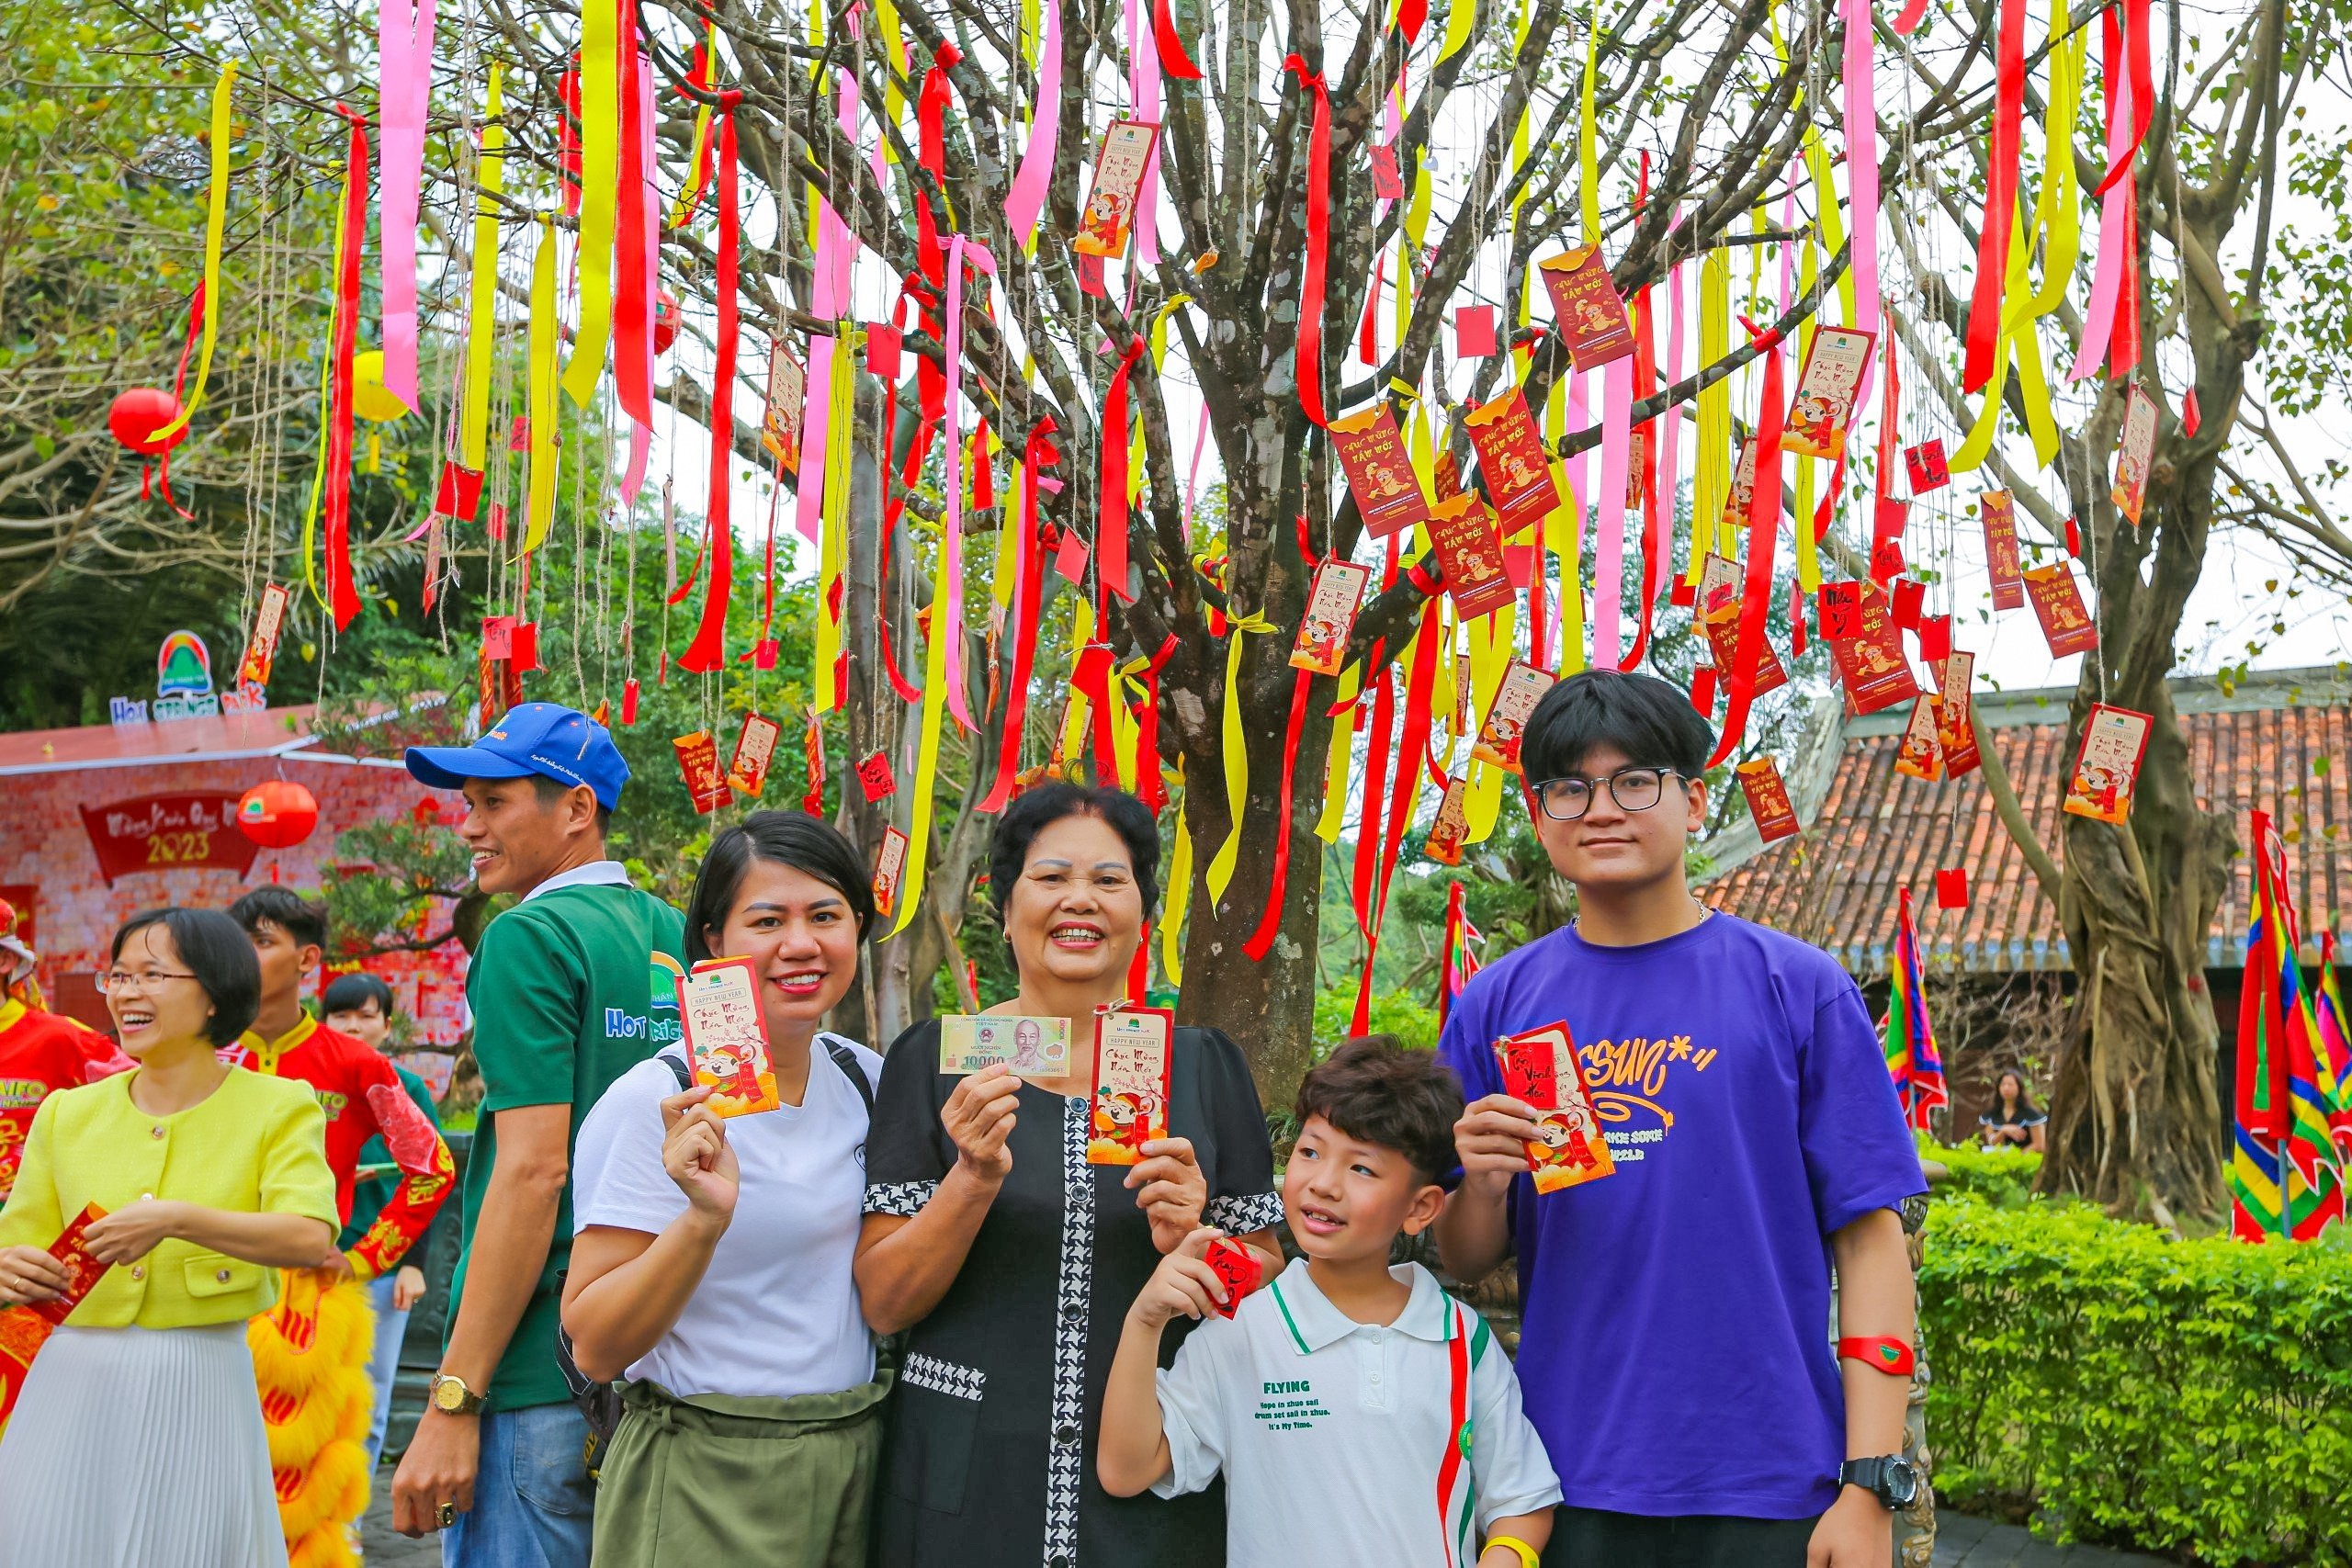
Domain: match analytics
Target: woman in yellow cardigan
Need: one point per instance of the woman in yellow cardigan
(137, 1438)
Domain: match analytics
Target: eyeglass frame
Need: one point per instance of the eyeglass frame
(1537, 793)
(107, 986)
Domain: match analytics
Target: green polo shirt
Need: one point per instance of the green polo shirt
(567, 996)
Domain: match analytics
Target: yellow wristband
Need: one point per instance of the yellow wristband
(1528, 1556)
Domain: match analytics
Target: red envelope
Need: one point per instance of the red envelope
(1951, 889)
(882, 343)
(1909, 596)
(1474, 331)
(1237, 1267)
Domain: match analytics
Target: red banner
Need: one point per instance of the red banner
(168, 832)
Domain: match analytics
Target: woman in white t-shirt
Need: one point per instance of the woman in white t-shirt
(710, 1272)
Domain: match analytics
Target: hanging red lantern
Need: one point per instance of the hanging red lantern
(138, 413)
(665, 321)
(277, 814)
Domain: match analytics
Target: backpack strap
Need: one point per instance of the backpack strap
(678, 1069)
(846, 1060)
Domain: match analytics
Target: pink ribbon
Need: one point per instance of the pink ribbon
(1143, 91)
(829, 290)
(1861, 177)
(2114, 232)
(1200, 444)
(405, 66)
(1669, 425)
(816, 436)
(640, 435)
(1609, 512)
(950, 600)
(1026, 199)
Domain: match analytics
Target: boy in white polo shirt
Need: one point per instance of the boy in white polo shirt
(1359, 1415)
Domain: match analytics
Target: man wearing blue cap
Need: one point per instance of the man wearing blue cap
(563, 1005)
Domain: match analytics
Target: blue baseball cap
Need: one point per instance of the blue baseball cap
(546, 739)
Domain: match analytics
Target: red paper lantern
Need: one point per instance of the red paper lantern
(665, 321)
(277, 814)
(138, 414)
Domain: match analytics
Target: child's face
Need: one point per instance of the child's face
(1347, 1198)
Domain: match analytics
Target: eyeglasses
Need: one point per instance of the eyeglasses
(116, 981)
(1634, 789)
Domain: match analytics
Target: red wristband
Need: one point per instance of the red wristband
(1881, 1353)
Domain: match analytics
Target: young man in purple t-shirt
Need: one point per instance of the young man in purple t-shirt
(1678, 1355)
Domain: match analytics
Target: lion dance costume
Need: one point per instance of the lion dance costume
(311, 1350)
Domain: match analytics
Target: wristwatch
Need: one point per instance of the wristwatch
(1891, 1478)
(450, 1395)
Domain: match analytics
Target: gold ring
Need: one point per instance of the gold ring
(448, 1515)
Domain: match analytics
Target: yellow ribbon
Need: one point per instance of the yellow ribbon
(833, 538)
(1237, 754)
(934, 688)
(1832, 220)
(1340, 758)
(215, 218)
(1491, 650)
(481, 324)
(544, 452)
(692, 187)
(1563, 531)
(1458, 20)
(1588, 148)
(600, 183)
(327, 371)
(1179, 892)
(1806, 481)
(1711, 462)
(1081, 632)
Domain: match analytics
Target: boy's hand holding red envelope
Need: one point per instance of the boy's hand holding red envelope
(1190, 1283)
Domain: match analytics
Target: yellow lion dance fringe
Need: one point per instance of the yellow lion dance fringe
(310, 1354)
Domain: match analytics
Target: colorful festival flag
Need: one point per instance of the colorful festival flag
(1912, 1058)
(2286, 1177)
(1458, 960)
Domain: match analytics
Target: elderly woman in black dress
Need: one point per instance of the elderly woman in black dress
(1009, 1260)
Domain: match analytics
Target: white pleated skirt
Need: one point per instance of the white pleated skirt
(138, 1448)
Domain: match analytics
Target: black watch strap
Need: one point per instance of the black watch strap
(1888, 1477)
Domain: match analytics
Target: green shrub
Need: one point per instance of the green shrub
(2002, 1176)
(2187, 1396)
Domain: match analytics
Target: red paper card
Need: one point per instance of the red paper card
(1450, 830)
(1380, 475)
(1586, 305)
(1132, 1049)
(698, 761)
(1919, 757)
(1870, 662)
(1069, 556)
(260, 649)
(1886, 537)
(1462, 537)
(747, 771)
(1539, 1066)
(1321, 645)
(2066, 626)
(526, 645)
(1512, 462)
(498, 636)
(1237, 1268)
(882, 345)
(1907, 596)
(1823, 408)
(1474, 331)
(787, 405)
(1926, 467)
(1388, 179)
(2134, 453)
(1767, 799)
(629, 701)
(458, 495)
(1951, 888)
(1955, 731)
(874, 776)
(1110, 212)
(1935, 637)
(889, 866)
(2106, 769)
(1522, 687)
(1999, 511)
(1841, 610)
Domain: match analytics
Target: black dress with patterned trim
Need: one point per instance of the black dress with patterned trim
(989, 1461)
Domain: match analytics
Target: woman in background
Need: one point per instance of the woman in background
(2014, 1121)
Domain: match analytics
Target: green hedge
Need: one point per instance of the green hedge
(2004, 1177)
(2186, 1396)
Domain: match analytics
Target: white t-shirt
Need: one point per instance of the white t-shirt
(776, 1313)
(1291, 1399)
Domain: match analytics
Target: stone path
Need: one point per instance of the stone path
(1963, 1542)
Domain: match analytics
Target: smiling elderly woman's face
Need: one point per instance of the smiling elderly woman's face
(1076, 914)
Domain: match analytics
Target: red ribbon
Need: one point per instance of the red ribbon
(1110, 527)
(1318, 241)
(633, 315)
(1413, 14)
(1038, 453)
(343, 596)
(708, 650)
(2134, 37)
(1270, 923)
(1173, 58)
(1909, 20)
(930, 129)
(1151, 786)
(1890, 514)
(1092, 674)
(1402, 794)
(1763, 543)
(2000, 199)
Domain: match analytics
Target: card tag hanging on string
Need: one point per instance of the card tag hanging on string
(1462, 537)
(1719, 609)
(1926, 467)
(498, 636)
(1702, 690)
(747, 771)
(812, 752)
(1637, 460)
(1474, 331)
(1450, 830)
(1522, 687)
(2135, 452)
(1387, 179)
(2073, 539)
(882, 345)
(1110, 213)
(458, 495)
(1998, 510)
(525, 643)
(1512, 462)
(1070, 556)
(2106, 769)
(629, 701)
(1888, 519)
(1951, 888)
(1372, 454)
(1823, 410)
(1587, 308)
(780, 425)
(889, 869)
(1462, 694)
(698, 763)
(1769, 806)
(1919, 756)
(1841, 609)
(1935, 638)
(1906, 597)
(1955, 729)
(2066, 626)
(1539, 1068)
(433, 563)
(1321, 645)
(875, 777)
(727, 1039)
(1870, 662)
(1132, 1047)
(260, 649)
(1740, 501)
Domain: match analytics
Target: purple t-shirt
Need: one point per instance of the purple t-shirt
(1677, 1353)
